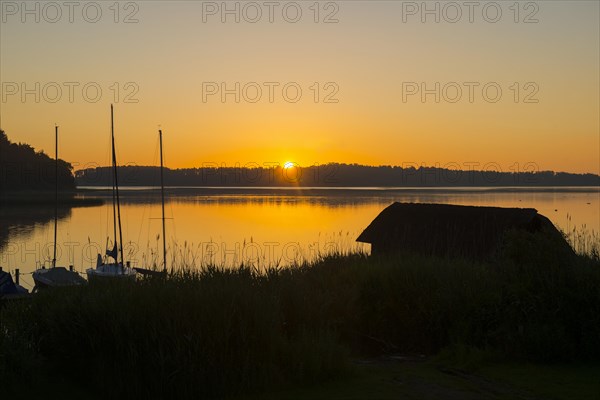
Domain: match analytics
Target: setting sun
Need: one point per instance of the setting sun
(289, 164)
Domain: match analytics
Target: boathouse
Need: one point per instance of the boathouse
(450, 230)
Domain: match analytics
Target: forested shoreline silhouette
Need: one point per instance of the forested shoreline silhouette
(22, 168)
(329, 175)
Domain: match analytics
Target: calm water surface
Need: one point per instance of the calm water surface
(258, 226)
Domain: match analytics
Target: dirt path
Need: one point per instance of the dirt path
(416, 378)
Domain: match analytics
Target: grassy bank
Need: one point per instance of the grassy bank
(219, 332)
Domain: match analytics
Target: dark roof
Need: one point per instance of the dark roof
(445, 229)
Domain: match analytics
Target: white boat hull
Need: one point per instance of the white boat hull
(110, 272)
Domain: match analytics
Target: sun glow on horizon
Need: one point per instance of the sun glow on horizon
(273, 91)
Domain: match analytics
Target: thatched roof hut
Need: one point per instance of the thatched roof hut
(449, 230)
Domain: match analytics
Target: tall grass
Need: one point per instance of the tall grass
(584, 241)
(195, 334)
(189, 256)
(220, 331)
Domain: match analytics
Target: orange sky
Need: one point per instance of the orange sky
(370, 62)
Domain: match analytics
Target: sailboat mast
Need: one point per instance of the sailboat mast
(162, 194)
(55, 191)
(114, 154)
(114, 200)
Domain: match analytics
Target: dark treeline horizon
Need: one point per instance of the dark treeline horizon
(24, 168)
(328, 175)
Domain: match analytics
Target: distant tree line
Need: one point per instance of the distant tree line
(328, 175)
(23, 168)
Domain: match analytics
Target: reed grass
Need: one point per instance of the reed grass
(583, 240)
(216, 331)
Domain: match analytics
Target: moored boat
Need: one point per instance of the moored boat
(113, 270)
(55, 276)
(9, 288)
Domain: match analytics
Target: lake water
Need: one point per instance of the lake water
(257, 226)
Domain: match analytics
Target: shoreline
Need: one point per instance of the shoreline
(69, 198)
(336, 190)
(91, 196)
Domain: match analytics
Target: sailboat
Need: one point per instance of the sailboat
(55, 276)
(162, 198)
(115, 269)
(10, 289)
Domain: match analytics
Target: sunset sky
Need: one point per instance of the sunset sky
(372, 64)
